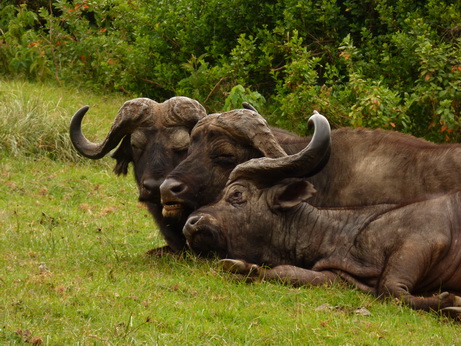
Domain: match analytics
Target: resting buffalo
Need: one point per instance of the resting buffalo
(409, 251)
(155, 138)
(218, 143)
(365, 167)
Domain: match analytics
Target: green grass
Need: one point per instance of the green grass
(34, 118)
(85, 225)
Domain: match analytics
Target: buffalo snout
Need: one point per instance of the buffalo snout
(204, 236)
(171, 191)
(149, 190)
(192, 226)
(172, 188)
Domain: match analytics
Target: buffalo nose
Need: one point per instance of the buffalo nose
(191, 225)
(172, 187)
(152, 184)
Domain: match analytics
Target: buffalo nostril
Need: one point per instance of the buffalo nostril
(190, 226)
(194, 220)
(178, 188)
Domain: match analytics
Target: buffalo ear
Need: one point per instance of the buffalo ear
(123, 155)
(292, 193)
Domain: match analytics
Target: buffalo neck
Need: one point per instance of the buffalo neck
(312, 233)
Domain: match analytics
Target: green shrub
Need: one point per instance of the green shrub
(239, 94)
(380, 64)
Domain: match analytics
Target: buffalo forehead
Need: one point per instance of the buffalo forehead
(176, 137)
(242, 124)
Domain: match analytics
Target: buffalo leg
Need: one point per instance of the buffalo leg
(407, 266)
(289, 274)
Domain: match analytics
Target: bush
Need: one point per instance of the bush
(390, 63)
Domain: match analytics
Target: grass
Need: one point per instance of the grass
(73, 270)
(34, 118)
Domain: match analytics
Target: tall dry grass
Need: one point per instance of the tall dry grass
(34, 118)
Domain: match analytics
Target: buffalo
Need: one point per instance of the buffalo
(264, 218)
(366, 167)
(154, 137)
(218, 144)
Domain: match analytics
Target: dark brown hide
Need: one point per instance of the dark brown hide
(366, 167)
(155, 138)
(408, 251)
(218, 143)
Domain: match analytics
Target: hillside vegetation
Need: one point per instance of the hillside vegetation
(387, 63)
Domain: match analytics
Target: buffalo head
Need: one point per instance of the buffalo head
(218, 143)
(154, 137)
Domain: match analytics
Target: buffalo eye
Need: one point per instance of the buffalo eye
(236, 198)
(224, 159)
(180, 151)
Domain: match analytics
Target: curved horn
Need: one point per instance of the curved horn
(249, 106)
(132, 114)
(302, 164)
(251, 127)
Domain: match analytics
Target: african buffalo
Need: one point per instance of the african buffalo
(366, 167)
(410, 251)
(155, 138)
(212, 156)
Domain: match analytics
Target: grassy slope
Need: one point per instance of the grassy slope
(85, 225)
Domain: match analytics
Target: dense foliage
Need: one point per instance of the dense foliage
(374, 63)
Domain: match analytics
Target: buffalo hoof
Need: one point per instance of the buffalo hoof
(449, 300)
(237, 266)
(457, 301)
(453, 312)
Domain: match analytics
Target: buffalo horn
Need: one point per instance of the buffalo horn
(249, 106)
(140, 112)
(183, 111)
(132, 114)
(302, 164)
(252, 127)
(264, 140)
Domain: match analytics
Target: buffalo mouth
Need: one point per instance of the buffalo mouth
(172, 210)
